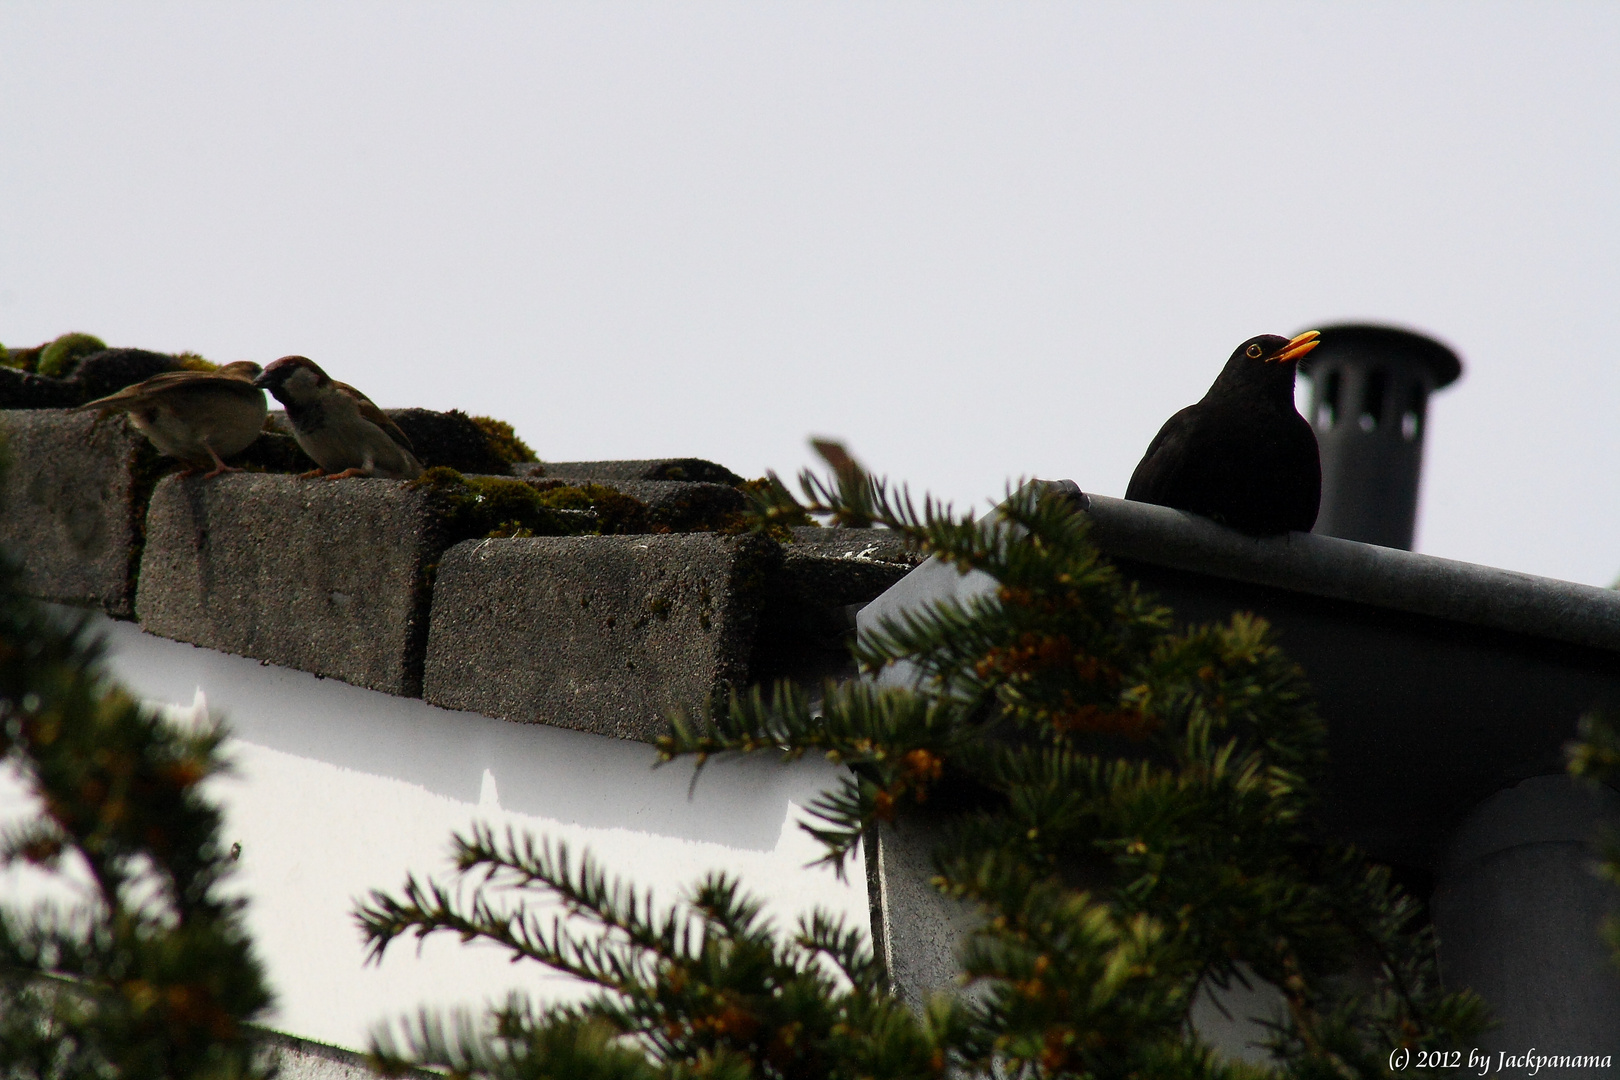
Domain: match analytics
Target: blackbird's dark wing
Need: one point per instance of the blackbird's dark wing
(1161, 470)
(1253, 470)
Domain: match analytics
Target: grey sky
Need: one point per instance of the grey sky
(975, 240)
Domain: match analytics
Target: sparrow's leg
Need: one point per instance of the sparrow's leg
(219, 466)
(346, 473)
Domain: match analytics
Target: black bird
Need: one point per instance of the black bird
(1243, 456)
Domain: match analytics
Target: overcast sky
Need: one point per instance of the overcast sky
(975, 240)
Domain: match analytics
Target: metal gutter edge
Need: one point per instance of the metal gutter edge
(1361, 573)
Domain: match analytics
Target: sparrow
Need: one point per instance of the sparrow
(200, 417)
(338, 426)
(1243, 456)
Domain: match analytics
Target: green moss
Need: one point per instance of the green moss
(503, 441)
(494, 506)
(489, 506)
(24, 359)
(701, 514)
(617, 513)
(190, 361)
(61, 356)
(623, 514)
(775, 517)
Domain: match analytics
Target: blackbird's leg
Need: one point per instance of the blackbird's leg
(347, 473)
(312, 474)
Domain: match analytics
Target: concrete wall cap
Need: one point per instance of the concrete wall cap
(72, 502)
(330, 578)
(605, 634)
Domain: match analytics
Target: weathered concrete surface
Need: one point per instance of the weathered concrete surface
(599, 633)
(694, 470)
(860, 545)
(304, 1059)
(330, 577)
(72, 503)
(917, 931)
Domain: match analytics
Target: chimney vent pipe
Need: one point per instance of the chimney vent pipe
(1370, 388)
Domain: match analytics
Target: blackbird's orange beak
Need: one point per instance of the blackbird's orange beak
(1299, 346)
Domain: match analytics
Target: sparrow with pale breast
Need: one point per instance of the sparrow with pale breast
(200, 417)
(338, 426)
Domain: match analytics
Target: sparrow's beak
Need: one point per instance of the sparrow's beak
(1299, 346)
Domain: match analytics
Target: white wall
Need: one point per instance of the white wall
(341, 790)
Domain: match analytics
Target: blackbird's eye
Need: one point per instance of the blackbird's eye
(1254, 351)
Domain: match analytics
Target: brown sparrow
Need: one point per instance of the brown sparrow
(200, 417)
(338, 426)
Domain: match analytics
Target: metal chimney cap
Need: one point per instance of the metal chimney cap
(1364, 338)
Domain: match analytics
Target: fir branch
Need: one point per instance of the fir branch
(514, 1044)
(1133, 814)
(1172, 774)
(708, 988)
(154, 975)
(846, 947)
(1594, 757)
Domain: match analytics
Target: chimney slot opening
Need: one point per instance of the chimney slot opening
(1372, 399)
(1327, 409)
(1412, 419)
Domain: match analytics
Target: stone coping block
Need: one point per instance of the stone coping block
(605, 634)
(695, 470)
(73, 499)
(674, 504)
(668, 494)
(305, 1059)
(331, 577)
(859, 545)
